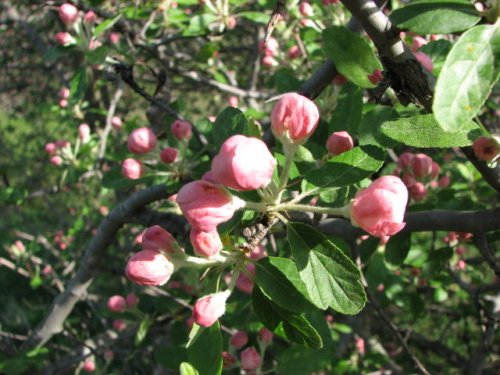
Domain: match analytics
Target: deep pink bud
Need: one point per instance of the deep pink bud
(294, 117)
(409, 180)
(460, 250)
(271, 48)
(233, 101)
(117, 304)
(404, 160)
(421, 165)
(64, 93)
(228, 360)
(269, 61)
(330, 2)
(158, 239)
(258, 252)
(250, 359)
(376, 77)
(208, 309)
(265, 335)
(206, 205)
(293, 52)
(64, 38)
(119, 325)
(239, 340)
(116, 122)
(424, 59)
(417, 42)
(339, 142)
(84, 132)
(90, 17)
(88, 365)
(132, 300)
(306, 9)
(114, 38)
(149, 267)
(245, 283)
(56, 160)
(168, 155)
(444, 181)
(205, 244)
(417, 191)
(132, 168)
(339, 80)
(50, 148)
(435, 170)
(380, 208)
(181, 130)
(68, 13)
(486, 148)
(141, 141)
(243, 163)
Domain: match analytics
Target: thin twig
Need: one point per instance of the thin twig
(107, 128)
(484, 249)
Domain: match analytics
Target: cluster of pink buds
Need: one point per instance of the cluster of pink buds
(269, 51)
(250, 359)
(307, 12)
(62, 241)
(63, 97)
(140, 141)
(119, 304)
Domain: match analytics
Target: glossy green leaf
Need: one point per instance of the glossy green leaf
(369, 127)
(468, 75)
(198, 24)
(229, 122)
(352, 54)
(292, 326)
(424, 131)
(205, 353)
(78, 85)
(106, 25)
(436, 17)
(437, 50)
(257, 17)
(142, 330)
(331, 278)
(347, 113)
(396, 250)
(187, 369)
(170, 356)
(279, 280)
(347, 168)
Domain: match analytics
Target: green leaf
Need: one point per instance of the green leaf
(437, 50)
(257, 17)
(285, 80)
(170, 356)
(279, 280)
(113, 179)
(436, 17)
(142, 331)
(229, 122)
(187, 369)
(205, 353)
(347, 113)
(106, 25)
(331, 278)
(396, 250)
(424, 131)
(347, 168)
(292, 326)
(199, 24)
(369, 128)
(352, 54)
(437, 261)
(468, 75)
(78, 85)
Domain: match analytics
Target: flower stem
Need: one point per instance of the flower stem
(342, 211)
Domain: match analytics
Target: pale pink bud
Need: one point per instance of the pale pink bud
(444, 181)
(339, 142)
(461, 264)
(424, 59)
(306, 9)
(103, 210)
(62, 143)
(271, 48)
(243, 163)
(132, 169)
(380, 208)
(88, 365)
(114, 38)
(212, 118)
(64, 93)
(250, 359)
(116, 122)
(239, 340)
(132, 300)
(231, 22)
(265, 335)
(404, 160)
(94, 44)
(205, 205)
(90, 17)
(228, 360)
(181, 130)
(56, 160)
(158, 239)
(20, 246)
(47, 270)
(360, 345)
(435, 170)
(269, 61)
(409, 180)
(244, 283)
(68, 13)
(50, 148)
(451, 238)
(168, 155)
(376, 77)
(486, 148)
(149, 267)
(417, 191)
(380, 288)
(417, 42)
(258, 252)
(117, 304)
(205, 244)
(421, 165)
(479, 6)
(208, 309)
(63, 103)
(84, 132)
(293, 52)
(64, 38)
(233, 101)
(339, 80)
(294, 117)
(141, 141)
(119, 325)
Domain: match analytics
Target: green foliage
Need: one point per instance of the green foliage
(204, 352)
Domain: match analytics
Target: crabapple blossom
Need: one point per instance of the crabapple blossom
(63, 38)
(64, 93)
(84, 132)
(90, 17)
(116, 122)
(56, 160)
(63, 103)
(182, 130)
(269, 61)
(209, 308)
(149, 267)
(404, 160)
(293, 52)
(141, 141)
(119, 325)
(250, 359)
(271, 48)
(117, 304)
(417, 191)
(158, 239)
(239, 339)
(233, 101)
(50, 148)
(424, 59)
(114, 38)
(68, 13)
(88, 365)
(206, 244)
(228, 360)
(421, 165)
(132, 300)
(339, 142)
(132, 168)
(265, 335)
(168, 155)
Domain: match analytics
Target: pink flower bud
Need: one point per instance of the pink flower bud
(444, 182)
(239, 340)
(158, 239)
(464, 236)
(421, 165)
(168, 155)
(94, 44)
(181, 130)
(119, 325)
(330, 2)
(116, 122)
(404, 160)
(90, 17)
(68, 13)
(206, 205)
(132, 169)
(205, 244)
(294, 117)
(380, 208)
(360, 345)
(233, 101)
(376, 77)
(250, 359)
(435, 170)
(269, 61)
(56, 160)
(306, 9)
(417, 191)
(243, 163)
(88, 365)
(132, 300)
(486, 148)
(208, 309)
(63, 103)
(244, 283)
(64, 93)
(339, 142)
(117, 304)
(141, 141)
(460, 250)
(84, 132)
(64, 38)
(265, 336)
(271, 48)
(293, 52)
(114, 38)
(149, 267)
(409, 180)
(231, 22)
(20, 246)
(424, 59)
(50, 148)
(228, 360)
(339, 80)
(258, 252)
(461, 264)
(417, 42)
